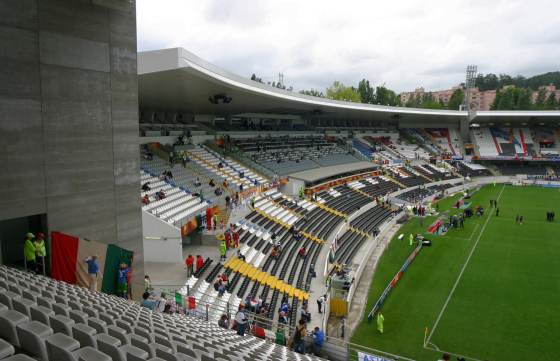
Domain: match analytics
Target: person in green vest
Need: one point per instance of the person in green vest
(301, 193)
(40, 252)
(411, 239)
(29, 252)
(380, 320)
(223, 250)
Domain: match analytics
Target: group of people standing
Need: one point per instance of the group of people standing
(550, 216)
(35, 252)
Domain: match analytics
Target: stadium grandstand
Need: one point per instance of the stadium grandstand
(157, 207)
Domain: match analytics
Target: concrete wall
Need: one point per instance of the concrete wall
(69, 119)
(162, 241)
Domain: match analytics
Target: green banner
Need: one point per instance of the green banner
(115, 256)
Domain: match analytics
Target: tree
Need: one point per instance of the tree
(456, 99)
(313, 93)
(385, 96)
(366, 91)
(339, 91)
(551, 102)
(541, 97)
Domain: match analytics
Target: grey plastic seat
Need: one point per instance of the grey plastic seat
(61, 299)
(29, 295)
(78, 316)
(99, 325)
(90, 311)
(63, 348)
(84, 334)
(19, 357)
(119, 333)
(7, 297)
(47, 302)
(75, 305)
(41, 314)
(23, 305)
(108, 318)
(61, 309)
(125, 325)
(61, 324)
(32, 337)
(6, 349)
(9, 320)
(112, 346)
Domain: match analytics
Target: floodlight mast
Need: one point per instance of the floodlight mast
(467, 103)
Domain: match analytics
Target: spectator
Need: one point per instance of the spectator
(40, 252)
(122, 284)
(240, 321)
(30, 252)
(197, 182)
(146, 302)
(199, 262)
(159, 306)
(318, 341)
(147, 284)
(145, 199)
(221, 289)
(240, 255)
(321, 302)
(93, 270)
(146, 187)
(302, 252)
(236, 239)
(189, 262)
(212, 183)
(223, 322)
(299, 337)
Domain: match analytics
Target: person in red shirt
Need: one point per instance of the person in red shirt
(189, 261)
(302, 252)
(224, 277)
(227, 236)
(199, 262)
(236, 239)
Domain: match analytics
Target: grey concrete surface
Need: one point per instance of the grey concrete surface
(69, 119)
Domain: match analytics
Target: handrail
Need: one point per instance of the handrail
(337, 348)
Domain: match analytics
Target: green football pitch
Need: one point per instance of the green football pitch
(490, 291)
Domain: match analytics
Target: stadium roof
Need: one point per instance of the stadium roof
(176, 79)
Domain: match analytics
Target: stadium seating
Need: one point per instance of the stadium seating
(286, 155)
(177, 207)
(112, 328)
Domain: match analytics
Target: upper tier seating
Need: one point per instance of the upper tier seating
(286, 155)
(55, 321)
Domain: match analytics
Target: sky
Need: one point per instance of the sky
(402, 44)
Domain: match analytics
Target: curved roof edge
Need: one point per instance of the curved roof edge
(163, 60)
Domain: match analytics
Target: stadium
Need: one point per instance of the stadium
(158, 207)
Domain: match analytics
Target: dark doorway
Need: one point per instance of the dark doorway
(12, 236)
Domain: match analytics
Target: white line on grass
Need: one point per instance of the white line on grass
(462, 271)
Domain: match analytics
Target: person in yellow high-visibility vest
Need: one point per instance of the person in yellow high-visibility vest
(380, 320)
(411, 239)
(40, 252)
(29, 252)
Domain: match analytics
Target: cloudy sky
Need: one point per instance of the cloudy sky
(404, 44)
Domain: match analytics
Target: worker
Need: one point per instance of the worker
(223, 250)
(40, 252)
(380, 320)
(29, 252)
(411, 239)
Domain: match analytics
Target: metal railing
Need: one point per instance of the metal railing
(335, 348)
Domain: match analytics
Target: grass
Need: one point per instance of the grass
(504, 305)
